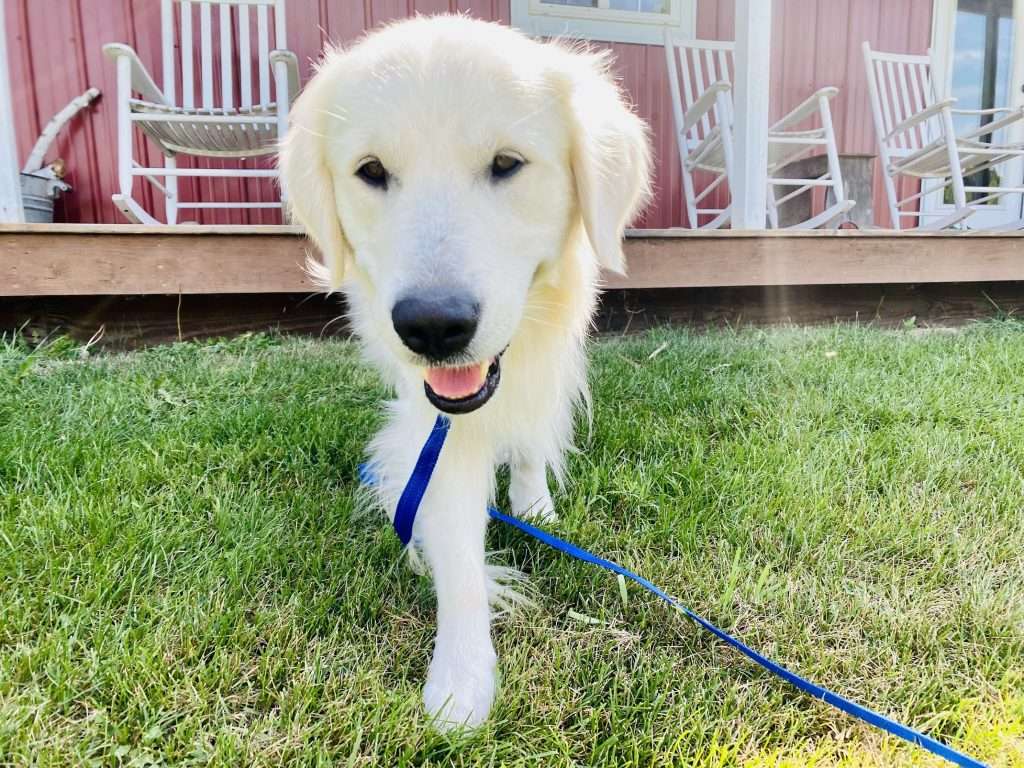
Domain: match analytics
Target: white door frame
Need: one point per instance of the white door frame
(943, 38)
(11, 211)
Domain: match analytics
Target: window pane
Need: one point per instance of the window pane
(981, 67)
(576, 3)
(647, 6)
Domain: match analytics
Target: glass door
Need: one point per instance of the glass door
(978, 46)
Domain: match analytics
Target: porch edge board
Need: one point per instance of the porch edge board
(828, 259)
(101, 261)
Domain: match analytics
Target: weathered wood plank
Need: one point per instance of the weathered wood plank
(62, 260)
(99, 263)
(842, 258)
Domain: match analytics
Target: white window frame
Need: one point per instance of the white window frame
(604, 24)
(941, 53)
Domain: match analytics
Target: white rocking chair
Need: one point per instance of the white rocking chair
(210, 128)
(916, 138)
(700, 77)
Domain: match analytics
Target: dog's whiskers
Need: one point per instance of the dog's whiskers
(331, 322)
(335, 115)
(529, 115)
(544, 305)
(310, 131)
(539, 321)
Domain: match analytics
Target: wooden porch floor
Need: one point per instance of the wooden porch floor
(102, 260)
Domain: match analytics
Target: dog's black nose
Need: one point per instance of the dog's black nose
(437, 326)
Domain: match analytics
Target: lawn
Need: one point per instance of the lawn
(186, 578)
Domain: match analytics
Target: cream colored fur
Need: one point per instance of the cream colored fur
(434, 99)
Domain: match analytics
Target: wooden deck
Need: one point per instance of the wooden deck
(100, 260)
(135, 286)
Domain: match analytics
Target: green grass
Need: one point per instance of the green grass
(185, 578)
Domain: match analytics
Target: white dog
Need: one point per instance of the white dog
(465, 185)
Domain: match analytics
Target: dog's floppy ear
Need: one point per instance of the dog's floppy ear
(308, 185)
(610, 156)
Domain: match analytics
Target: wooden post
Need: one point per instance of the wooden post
(11, 210)
(750, 131)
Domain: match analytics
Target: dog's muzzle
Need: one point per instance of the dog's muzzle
(462, 389)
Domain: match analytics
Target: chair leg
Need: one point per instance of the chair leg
(124, 126)
(125, 162)
(727, 150)
(132, 210)
(827, 218)
(955, 170)
(1011, 226)
(890, 193)
(171, 193)
(721, 220)
(834, 168)
(689, 195)
(773, 209)
(947, 221)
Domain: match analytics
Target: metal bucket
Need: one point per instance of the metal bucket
(37, 196)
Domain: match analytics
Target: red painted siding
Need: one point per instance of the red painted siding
(55, 54)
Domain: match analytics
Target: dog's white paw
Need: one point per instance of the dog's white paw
(529, 504)
(460, 685)
(530, 498)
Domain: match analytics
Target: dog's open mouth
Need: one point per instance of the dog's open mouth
(462, 389)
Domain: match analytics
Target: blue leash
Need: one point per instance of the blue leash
(405, 515)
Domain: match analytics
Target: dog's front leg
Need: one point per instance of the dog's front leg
(528, 492)
(451, 527)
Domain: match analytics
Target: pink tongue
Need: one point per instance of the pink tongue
(456, 383)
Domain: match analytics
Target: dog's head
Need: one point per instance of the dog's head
(440, 165)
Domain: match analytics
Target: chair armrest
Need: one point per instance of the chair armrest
(806, 108)
(993, 111)
(935, 109)
(142, 83)
(1012, 116)
(704, 104)
(291, 62)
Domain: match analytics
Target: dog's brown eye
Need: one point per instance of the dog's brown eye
(504, 165)
(373, 173)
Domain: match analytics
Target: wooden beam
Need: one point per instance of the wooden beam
(846, 257)
(76, 260)
(103, 260)
(752, 60)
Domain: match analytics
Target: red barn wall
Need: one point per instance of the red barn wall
(55, 49)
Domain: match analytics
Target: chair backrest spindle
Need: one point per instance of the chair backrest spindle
(244, 56)
(167, 44)
(897, 115)
(263, 43)
(900, 86)
(227, 83)
(672, 64)
(699, 64)
(187, 75)
(901, 70)
(884, 95)
(224, 29)
(689, 86)
(280, 39)
(206, 54)
(700, 85)
(725, 73)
